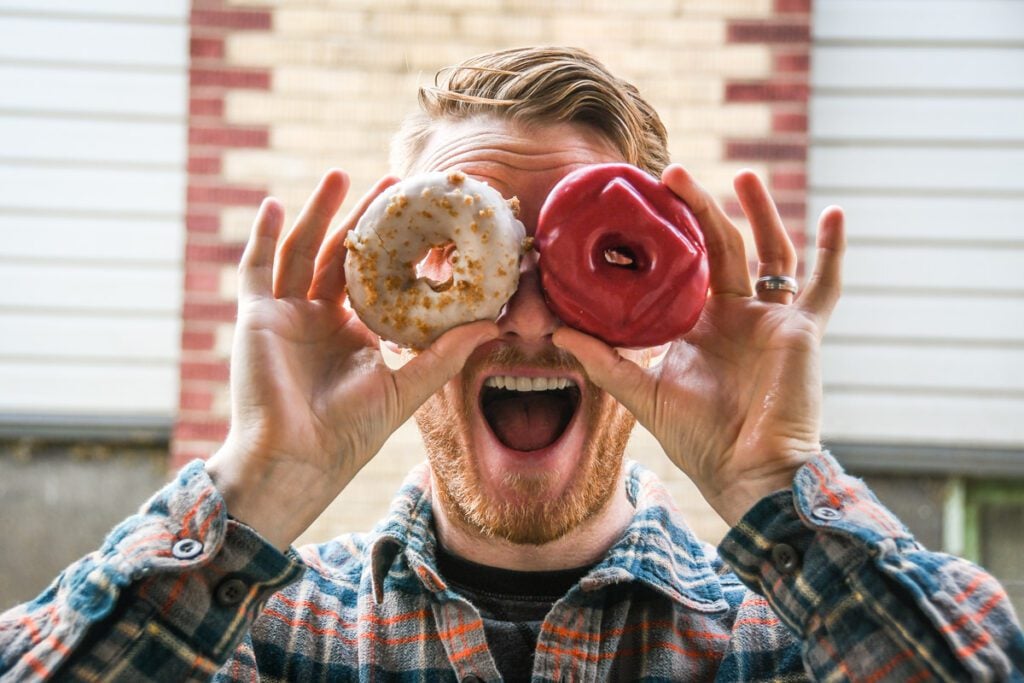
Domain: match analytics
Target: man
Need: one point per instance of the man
(526, 549)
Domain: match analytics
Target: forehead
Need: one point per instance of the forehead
(514, 158)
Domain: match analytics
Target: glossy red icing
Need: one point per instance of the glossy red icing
(621, 256)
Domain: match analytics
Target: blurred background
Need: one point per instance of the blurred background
(136, 140)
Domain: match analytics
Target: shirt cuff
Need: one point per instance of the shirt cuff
(796, 546)
(199, 571)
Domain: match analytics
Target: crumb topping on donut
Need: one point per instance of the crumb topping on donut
(463, 221)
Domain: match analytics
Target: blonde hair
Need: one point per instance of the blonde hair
(536, 85)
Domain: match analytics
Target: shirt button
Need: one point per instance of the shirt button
(785, 558)
(230, 592)
(826, 514)
(186, 549)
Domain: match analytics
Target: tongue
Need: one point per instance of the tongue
(527, 421)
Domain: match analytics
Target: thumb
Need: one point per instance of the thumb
(626, 381)
(429, 369)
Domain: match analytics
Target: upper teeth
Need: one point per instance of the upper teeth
(528, 383)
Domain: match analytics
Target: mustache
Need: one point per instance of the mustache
(508, 356)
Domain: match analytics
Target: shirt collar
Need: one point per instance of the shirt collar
(657, 549)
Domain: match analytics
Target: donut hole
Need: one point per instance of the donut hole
(437, 266)
(621, 257)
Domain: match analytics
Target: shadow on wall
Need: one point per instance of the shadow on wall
(58, 501)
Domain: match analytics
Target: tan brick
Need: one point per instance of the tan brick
(236, 223)
(665, 89)
(717, 177)
(594, 30)
(221, 401)
(250, 107)
(545, 6)
(315, 23)
(225, 333)
(726, 8)
(257, 165)
(412, 25)
(339, 83)
(679, 32)
(697, 148)
(459, 5)
(750, 120)
(621, 7)
(343, 141)
(747, 61)
(273, 50)
(505, 27)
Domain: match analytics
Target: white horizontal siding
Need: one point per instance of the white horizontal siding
(945, 220)
(917, 130)
(899, 119)
(92, 198)
(952, 21)
(168, 10)
(111, 42)
(110, 239)
(93, 92)
(966, 69)
(60, 139)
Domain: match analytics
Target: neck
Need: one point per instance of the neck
(586, 544)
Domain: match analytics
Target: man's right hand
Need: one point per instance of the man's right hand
(312, 400)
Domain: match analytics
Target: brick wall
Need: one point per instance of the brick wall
(284, 89)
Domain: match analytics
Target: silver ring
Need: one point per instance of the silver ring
(770, 283)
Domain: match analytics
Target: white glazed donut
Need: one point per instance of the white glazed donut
(442, 214)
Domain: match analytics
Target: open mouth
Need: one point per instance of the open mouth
(528, 413)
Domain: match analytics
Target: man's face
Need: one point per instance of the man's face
(525, 466)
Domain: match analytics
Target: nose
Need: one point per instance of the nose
(527, 318)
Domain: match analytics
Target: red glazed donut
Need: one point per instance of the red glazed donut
(621, 256)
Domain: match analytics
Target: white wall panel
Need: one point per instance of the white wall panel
(917, 130)
(60, 139)
(110, 239)
(145, 289)
(954, 21)
(84, 335)
(167, 10)
(943, 318)
(88, 389)
(121, 43)
(947, 367)
(923, 68)
(878, 217)
(901, 118)
(93, 147)
(906, 418)
(92, 188)
(93, 92)
(903, 167)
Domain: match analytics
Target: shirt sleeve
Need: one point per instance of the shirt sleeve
(868, 602)
(168, 596)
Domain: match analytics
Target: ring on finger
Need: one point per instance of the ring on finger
(772, 283)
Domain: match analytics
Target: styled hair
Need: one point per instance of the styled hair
(537, 85)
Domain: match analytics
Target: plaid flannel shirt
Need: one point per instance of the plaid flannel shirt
(824, 583)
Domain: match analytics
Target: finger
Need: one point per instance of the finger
(256, 268)
(329, 270)
(428, 371)
(727, 258)
(626, 381)
(825, 284)
(298, 251)
(775, 252)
